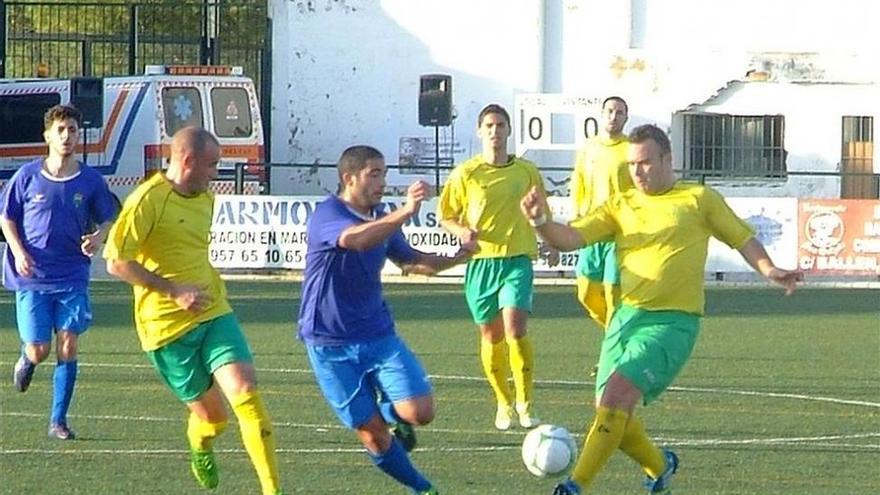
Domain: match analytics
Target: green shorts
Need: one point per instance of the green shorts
(649, 348)
(187, 364)
(494, 283)
(598, 262)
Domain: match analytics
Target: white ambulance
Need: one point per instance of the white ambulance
(140, 114)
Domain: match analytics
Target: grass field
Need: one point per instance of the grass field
(782, 396)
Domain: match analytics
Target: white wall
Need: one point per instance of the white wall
(351, 73)
(346, 71)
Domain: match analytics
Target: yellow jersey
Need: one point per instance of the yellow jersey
(600, 171)
(662, 242)
(486, 198)
(168, 234)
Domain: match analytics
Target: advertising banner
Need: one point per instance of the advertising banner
(253, 232)
(838, 236)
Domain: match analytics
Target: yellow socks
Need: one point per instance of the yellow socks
(522, 362)
(636, 444)
(602, 440)
(201, 434)
(258, 438)
(495, 365)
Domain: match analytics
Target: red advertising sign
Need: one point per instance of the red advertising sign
(839, 236)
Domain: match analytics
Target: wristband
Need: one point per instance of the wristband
(537, 222)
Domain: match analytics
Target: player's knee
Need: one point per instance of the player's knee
(374, 436)
(66, 347)
(37, 353)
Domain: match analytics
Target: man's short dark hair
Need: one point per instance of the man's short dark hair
(61, 112)
(493, 108)
(616, 98)
(354, 159)
(645, 132)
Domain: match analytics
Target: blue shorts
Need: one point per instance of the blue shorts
(353, 376)
(40, 313)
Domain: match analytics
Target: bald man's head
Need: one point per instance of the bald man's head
(194, 156)
(192, 139)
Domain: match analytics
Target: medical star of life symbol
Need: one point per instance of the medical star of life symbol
(182, 107)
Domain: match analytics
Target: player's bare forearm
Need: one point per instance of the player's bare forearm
(370, 234)
(560, 236)
(135, 274)
(756, 256)
(431, 264)
(10, 231)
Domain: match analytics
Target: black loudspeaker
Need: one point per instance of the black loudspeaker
(87, 95)
(435, 100)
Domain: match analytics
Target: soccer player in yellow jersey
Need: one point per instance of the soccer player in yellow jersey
(599, 172)
(159, 245)
(478, 202)
(662, 229)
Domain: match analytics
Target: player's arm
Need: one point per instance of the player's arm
(756, 256)
(368, 235)
(188, 297)
(431, 264)
(24, 263)
(557, 235)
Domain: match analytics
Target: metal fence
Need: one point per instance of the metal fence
(42, 38)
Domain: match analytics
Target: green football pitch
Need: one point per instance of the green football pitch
(781, 396)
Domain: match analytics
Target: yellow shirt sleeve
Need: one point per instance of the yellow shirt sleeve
(577, 185)
(723, 223)
(600, 225)
(451, 203)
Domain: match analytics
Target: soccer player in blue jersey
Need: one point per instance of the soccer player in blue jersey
(55, 213)
(368, 375)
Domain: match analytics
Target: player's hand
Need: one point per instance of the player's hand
(24, 264)
(532, 204)
(552, 256)
(417, 192)
(786, 278)
(91, 243)
(467, 237)
(190, 298)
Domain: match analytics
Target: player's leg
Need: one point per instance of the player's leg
(229, 359)
(35, 324)
(642, 353)
(515, 298)
(180, 366)
(343, 374)
(404, 389)
(72, 314)
(482, 281)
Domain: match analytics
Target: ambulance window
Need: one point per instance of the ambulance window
(183, 108)
(21, 117)
(232, 114)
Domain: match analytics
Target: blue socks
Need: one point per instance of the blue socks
(395, 463)
(65, 378)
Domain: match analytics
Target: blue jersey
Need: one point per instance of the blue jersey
(342, 299)
(52, 215)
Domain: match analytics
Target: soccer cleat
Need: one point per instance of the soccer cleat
(567, 487)
(661, 484)
(23, 373)
(61, 432)
(503, 417)
(526, 420)
(204, 468)
(594, 372)
(430, 491)
(405, 434)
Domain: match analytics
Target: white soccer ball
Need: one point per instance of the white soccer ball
(548, 450)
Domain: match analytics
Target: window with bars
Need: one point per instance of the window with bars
(735, 145)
